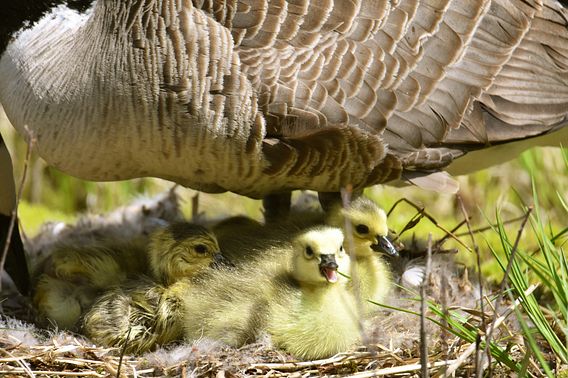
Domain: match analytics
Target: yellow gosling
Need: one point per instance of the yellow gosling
(297, 277)
(313, 316)
(142, 313)
(75, 275)
(371, 278)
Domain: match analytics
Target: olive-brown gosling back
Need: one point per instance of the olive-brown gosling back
(74, 275)
(143, 313)
(243, 239)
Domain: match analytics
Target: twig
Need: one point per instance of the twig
(150, 370)
(123, 352)
(445, 326)
(24, 365)
(400, 369)
(423, 334)
(287, 366)
(31, 143)
(50, 373)
(430, 218)
(490, 227)
(460, 360)
(410, 224)
(78, 361)
(453, 230)
(479, 278)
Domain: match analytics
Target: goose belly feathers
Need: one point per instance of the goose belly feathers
(258, 97)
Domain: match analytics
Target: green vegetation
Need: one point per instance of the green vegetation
(544, 320)
(536, 260)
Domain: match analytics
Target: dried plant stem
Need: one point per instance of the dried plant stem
(287, 366)
(478, 371)
(453, 230)
(428, 216)
(346, 194)
(444, 302)
(14, 217)
(400, 369)
(51, 373)
(494, 325)
(23, 364)
(122, 352)
(423, 306)
(490, 227)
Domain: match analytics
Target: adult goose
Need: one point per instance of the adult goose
(262, 97)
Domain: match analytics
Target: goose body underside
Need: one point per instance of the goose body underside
(273, 96)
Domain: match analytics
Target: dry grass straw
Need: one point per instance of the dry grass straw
(76, 358)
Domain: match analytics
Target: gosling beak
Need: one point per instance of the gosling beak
(220, 261)
(384, 245)
(328, 268)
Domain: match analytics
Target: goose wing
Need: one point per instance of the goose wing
(259, 96)
(374, 88)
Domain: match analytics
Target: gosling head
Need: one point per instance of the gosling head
(368, 226)
(182, 250)
(316, 253)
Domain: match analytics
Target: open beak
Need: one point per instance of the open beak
(384, 245)
(220, 261)
(328, 268)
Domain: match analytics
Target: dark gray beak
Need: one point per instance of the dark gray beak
(384, 245)
(328, 268)
(220, 261)
(328, 261)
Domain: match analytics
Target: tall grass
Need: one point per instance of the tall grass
(544, 320)
(539, 259)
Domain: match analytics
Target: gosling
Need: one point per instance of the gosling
(143, 313)
(366, 223)
(182, 250)
(74, 276)
(289, 291)
(313, 316)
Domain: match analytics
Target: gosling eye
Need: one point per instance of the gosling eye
(309, 252)
(201, 249)
(362, 229)
(341, 249)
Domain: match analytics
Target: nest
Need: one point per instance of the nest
(393, 339)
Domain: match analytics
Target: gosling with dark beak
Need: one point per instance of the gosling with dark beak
(328, 268)
(384, 245)
(370, 276)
